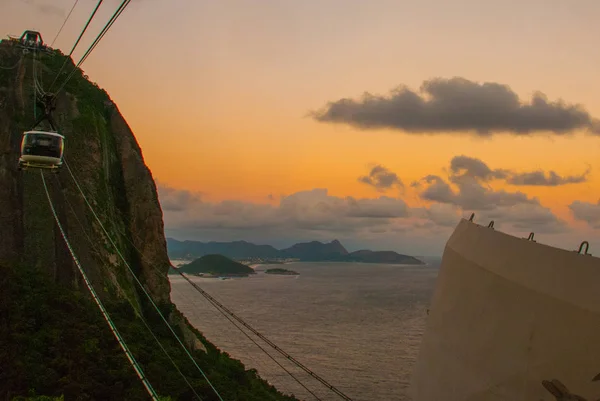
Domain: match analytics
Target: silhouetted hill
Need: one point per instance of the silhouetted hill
(235, 249)
(313, 251)
(217, 265)
(391, 257)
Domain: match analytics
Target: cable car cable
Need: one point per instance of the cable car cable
(140, 284)
(108, 25)
(76, 43)
(89, 239)
(104, 312)
(238, 327)
(265, 339)
(35, 97)
(256, 363)
(63, 24)
(262, 349)
(218, 306)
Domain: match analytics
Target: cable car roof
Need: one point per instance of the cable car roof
(44, 133)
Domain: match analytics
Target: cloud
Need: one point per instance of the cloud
(459, 105)
(305, 211)
(471, 195)
(440, 214)
(550, 179)
(465, 166)
(381, 178)
(176, 200)
(465, 190)
(46, 8)
(587, 212)
(383, 222)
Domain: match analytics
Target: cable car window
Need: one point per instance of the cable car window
(43, 145)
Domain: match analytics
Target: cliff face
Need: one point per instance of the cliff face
(54, 340)
(108, 163)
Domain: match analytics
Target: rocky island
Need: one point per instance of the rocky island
(284, 272)
(216, 266)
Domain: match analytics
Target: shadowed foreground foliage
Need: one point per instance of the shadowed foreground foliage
(56, 343)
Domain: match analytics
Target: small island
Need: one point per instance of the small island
(216, 266)
(284, 272)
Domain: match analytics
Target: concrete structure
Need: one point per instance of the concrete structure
(506, 314)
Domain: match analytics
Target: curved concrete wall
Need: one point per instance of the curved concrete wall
(506, 314)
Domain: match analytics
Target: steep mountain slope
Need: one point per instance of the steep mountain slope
(53, 337)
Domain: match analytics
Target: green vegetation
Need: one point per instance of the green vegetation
(216, 265)
(55, 342)
(281, 271)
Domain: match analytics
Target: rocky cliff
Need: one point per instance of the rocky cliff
(107, 161)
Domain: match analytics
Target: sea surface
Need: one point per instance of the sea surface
(356, 325)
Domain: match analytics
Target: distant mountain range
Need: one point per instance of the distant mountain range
(313, 251)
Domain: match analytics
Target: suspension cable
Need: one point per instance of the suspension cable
(218, 306)
(265, 339)
(104, 312)
(256, 363)
(139, 283)
(76, 43)
(63, 24)
(108, 25)
(136, 311)
(234, 324)
(35, 93)
(260, 347)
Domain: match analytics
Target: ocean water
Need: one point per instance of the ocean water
(356, 325)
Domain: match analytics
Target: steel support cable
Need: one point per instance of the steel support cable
(37, 74)
(63, 24)
(256, 363)
(108, 25)
(34, 87)
(76, 43)
(139, 283)
(240, 329)
(259, 346)
(218, 306)
(104, 312)
(136, 311)
(265, 339)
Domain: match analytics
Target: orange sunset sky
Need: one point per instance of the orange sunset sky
(219, 94)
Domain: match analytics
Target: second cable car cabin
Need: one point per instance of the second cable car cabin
(42, 150)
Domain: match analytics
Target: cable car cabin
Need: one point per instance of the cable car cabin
(42, 149)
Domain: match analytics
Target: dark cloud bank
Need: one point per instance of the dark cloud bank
(381, 178)
(385, 221)
(459, 105)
